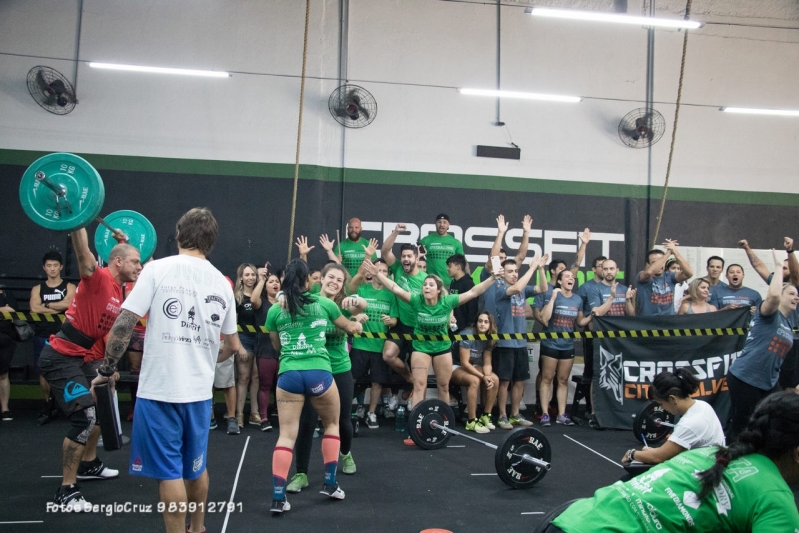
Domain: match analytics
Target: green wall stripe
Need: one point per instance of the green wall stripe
(398, 177)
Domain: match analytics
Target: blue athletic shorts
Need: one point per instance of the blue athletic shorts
(170, 440)
(305, 382)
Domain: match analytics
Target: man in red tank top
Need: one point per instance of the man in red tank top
(90, 316)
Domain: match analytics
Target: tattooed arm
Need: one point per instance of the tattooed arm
(115, 346)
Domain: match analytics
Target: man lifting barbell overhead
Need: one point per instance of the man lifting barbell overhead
(63, 192)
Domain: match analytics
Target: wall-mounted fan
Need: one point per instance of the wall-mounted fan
(352, 106)
(51, 90)
(641, 128)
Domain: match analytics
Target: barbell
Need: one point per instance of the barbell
(64, 192)
(521, 461)
(652, 423)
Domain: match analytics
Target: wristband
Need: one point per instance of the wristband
(632, 455)
(790, 251)
(106, 371)
(279, 294)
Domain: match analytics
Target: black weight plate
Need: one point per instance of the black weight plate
(423, 414)
(512, 470)
(647, 423)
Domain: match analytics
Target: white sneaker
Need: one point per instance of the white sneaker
(95, 470)
(70, 499)
(371, 421)
(393, 402)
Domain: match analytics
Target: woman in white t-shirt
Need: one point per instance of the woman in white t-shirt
(698, 426)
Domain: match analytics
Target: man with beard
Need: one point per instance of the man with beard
(366, 354)
(350, 252)
(97, 303)
(440, 247)
(408, 276)
(734, 294)
(608, 297)
(656, 284)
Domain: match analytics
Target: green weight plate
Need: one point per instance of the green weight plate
(85, 192)
(512, 469)
(141, 234)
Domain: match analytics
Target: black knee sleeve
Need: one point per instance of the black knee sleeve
(82, 421)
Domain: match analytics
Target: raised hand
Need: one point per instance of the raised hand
(743, 243)
(371, 249)
(787, 243)
(399, 228)
(671, 245)
(630, 294)
(502, 226)
(326, 243)
(368, 266)
(585, 238)
(302, 245)
(527, 223)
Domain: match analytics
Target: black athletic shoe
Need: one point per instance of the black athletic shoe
(69, 499)
(334, 491)
(7, 417)
(42, 419)
(280, 506)
(265, 425)
(95, 470)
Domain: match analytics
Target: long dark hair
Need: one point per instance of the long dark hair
(681, 383)
(773, 431)
(294, 284)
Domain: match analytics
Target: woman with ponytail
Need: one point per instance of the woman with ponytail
(743, 488)
(698, 426)
(298, 332)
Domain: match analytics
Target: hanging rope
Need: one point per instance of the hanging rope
(674, 130)
(299, 130)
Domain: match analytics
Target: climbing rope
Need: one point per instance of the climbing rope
(674, 130)
(299, 129)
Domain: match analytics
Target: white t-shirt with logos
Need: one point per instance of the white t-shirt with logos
(188, 303)
(699, 427)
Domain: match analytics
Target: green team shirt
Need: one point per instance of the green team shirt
(751, 497)
(379, 302)
(352, 254)
(316, 288)
(303, 337)
(411, 284)
(336, 345)
(432, 320)
(439, 249)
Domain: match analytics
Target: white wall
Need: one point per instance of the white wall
(411, 54)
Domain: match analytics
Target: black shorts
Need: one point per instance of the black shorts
(560, 355)
(448, 351)
(371, 363)
(510, 364)
(68, 379)
(404, 345)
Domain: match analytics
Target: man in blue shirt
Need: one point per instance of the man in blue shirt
(656, 285)
(734, 294)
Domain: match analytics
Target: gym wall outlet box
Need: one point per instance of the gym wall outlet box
(499, 152)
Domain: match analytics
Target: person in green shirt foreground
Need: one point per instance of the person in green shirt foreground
(298, 332)
(736, 489)
(433, 307)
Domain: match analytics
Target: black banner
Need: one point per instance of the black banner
(625, 366)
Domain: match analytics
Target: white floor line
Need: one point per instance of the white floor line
(456, 446)
(52, 476)
(594, 451)
(24, 522)
(489, 474)
(235, 484)
(535, 512)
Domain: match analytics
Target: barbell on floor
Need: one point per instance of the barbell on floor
(521, 461)
(79, 196)
(652, 423)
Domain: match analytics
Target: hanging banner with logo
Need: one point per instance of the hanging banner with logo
(624, 367)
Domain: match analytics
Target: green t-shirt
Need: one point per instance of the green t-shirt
(303, 338)
(407, 314)
(439, 249)
(751, 497)
(379, 302)
(432, 320)
(352, 254)
(336, 346)
(316, 288)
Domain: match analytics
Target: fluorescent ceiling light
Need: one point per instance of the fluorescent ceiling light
(162, 70)
(612, 17)
(751, 111)
(527, 96)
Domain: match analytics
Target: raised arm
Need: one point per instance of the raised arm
(395, 289)
(516, 288)
(772, 300)
(87, 264)
(585, 238)
(542, 286)
(546, 312)
(477, 290)
(255, 297)
(356, 280)
(686, 272)
(527, 226)
(303, 248)
(387, 252)
(502, 228)
(754, 260)
(655, 266)
(793, 264)
(629, 301)
(327, 245)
